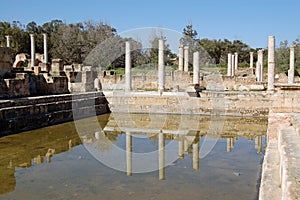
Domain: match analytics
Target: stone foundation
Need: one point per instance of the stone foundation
(210, 103)
(36, 112)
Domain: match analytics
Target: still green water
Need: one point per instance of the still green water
(98, 158)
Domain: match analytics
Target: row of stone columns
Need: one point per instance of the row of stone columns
(33, 47)
(161, 153)
(183, 58)
(232, 63)
(183, 65)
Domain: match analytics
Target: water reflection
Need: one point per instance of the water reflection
(140, 133)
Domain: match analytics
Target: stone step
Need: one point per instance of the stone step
(289, 148)
(270, 182)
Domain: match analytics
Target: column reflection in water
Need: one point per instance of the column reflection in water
(129, 153)
(228, 145)
(180, 146)
(196, 155)
(161, 155)
(258, 144)
(232, 143)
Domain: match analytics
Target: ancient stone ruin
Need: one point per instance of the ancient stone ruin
(35, 75)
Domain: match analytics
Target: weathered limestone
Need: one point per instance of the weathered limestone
(180, 58)
(7, 40)
(32, 50)
(196, 68)
(291, 72)
(36, 112)
(5, 59)
(186, 58)
(161, 159)
(271, 62)
(260, 65)
(45, 48)
(127, 67)
(97, 84)
(236, 61)
(232, 65)
(251, 59)
(129, 153)
(161, 66)
(229, 65)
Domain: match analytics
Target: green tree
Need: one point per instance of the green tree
(282, 57)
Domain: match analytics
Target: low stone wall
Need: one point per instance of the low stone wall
(280, 170)
(213, 102)
(29, 113)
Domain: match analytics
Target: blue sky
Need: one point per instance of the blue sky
(248, 20)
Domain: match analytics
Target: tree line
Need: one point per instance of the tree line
(74, 42)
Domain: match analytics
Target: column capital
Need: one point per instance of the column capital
(260, 51)
(31, 35)
(251, 52)
(292, 46)
(180, 46)
(186, 47)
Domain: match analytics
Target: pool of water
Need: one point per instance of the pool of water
(136, 156)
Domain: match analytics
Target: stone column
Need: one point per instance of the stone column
(258, 72)
(45, 48)
(127, 67)
(180, 58)
(271, 62)
(261, 62)
(129, 153)
(236, 61)
(161, 66)
(161, 152)
(291, 72)
(251, 59)
(32, 50)
(196, 68)
(7, 40)
(229, 64)
(196, 154)
(232, 65)
(180, 147)
(186, 58)
(259, 65)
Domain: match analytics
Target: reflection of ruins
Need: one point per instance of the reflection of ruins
(186, 131)
(33, 148)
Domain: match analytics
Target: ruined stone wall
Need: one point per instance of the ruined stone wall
(147, 81)
(175, 79)
(216, 103)
(35, 112)
(5, 60)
